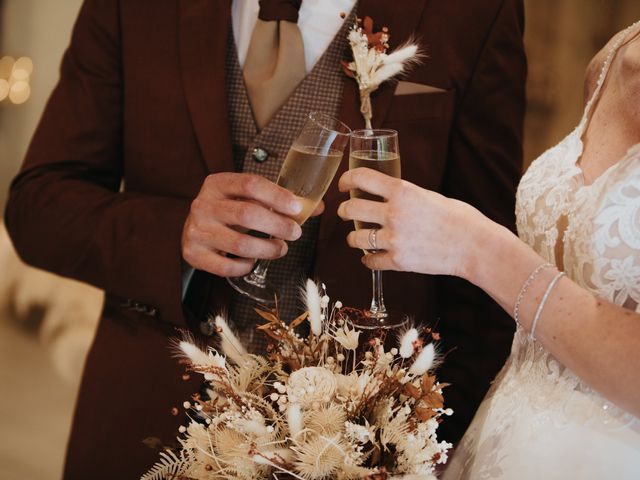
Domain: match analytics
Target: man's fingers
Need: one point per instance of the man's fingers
(255, 187)
(216, 263)
(247, 246)
(369, 181)
(319, 209)
(362, 210)
(246, 215)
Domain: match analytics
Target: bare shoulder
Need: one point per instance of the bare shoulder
(593, 70)
(626, 66)
(629, 59)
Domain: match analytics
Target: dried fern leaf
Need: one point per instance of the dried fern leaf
(169, 467)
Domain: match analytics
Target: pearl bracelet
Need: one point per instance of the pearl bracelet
(552, 283)
(525, 286)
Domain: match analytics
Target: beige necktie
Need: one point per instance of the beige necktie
(275, 60)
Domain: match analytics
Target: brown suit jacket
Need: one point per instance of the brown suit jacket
(139, 119)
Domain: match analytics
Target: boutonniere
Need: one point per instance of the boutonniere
(372, 65)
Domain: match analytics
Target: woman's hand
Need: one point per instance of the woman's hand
(420, 231)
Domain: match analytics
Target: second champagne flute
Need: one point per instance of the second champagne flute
(378, 150)
(307, 171)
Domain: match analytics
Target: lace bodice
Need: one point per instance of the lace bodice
(539, 420)
(599, 245)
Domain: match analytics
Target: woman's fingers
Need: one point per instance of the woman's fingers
(379, 261)
(364, 238)
(369, 181)
(362, 210)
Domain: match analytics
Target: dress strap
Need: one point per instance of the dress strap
(620, 38)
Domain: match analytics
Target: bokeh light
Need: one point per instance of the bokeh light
(14, 79)
(20, 92)
(6, 66)
(23, 68)
(4, 89)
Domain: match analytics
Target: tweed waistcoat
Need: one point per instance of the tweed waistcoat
(321, 90)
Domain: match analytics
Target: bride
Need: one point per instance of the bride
(567, 402)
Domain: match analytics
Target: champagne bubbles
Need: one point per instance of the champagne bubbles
(15, 78)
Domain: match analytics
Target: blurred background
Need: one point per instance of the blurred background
(47, 323)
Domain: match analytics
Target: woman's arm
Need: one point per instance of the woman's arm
(422, 231)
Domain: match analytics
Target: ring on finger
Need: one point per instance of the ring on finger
(373, 238)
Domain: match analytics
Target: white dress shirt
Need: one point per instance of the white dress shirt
(319, 22)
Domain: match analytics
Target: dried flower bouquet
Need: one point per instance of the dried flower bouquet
(316, 407)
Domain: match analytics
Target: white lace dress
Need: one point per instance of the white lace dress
(540, 421)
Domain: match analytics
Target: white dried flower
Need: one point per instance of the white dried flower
(324, 301)
(348, 338)
(347, 384)
(311, 384)
(360, 433)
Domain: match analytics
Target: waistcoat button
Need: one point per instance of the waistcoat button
(259, 154)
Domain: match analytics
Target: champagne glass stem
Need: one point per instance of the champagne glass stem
(258, 275)
(377, 302)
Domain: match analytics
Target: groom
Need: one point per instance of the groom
(160, 102)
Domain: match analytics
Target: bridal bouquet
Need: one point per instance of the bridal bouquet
(317, 407)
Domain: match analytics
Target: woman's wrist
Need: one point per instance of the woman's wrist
(499, 262)
(494, 252)
(479, 252)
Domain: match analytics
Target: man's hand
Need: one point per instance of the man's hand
(228, 206)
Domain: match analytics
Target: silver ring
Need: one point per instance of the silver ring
(373, 234)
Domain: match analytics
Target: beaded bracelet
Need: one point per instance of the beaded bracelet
(552, 283)
(525, 287)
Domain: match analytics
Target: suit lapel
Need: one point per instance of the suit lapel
(402, 18)
(203, 34)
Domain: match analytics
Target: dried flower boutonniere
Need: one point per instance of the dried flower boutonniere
(372, 65)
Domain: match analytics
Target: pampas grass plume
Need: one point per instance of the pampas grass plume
(193, 353)
(424, 361)
(407, 52)
(294, 419)
(406, 342)
(313, 301)
(230, 344)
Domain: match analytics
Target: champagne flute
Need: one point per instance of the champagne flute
(307, 171)
(378, 150)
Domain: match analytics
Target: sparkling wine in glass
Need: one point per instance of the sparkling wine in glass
(378, 150)
(307, 171)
